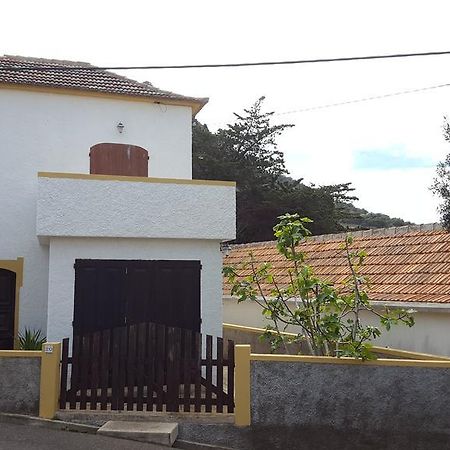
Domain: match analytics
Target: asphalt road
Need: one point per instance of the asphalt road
(26, 437)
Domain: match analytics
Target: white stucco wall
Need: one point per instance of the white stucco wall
(141, 209)
(430, 334)
(51, 132)
(64, 251)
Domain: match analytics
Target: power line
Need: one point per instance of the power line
(357, 100)
(40, 67)
(364, 99)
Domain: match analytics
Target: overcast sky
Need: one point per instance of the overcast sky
(387, 148)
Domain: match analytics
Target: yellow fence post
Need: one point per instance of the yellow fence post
(242, 385)
(50, 381)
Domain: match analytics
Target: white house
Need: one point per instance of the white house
(407, 267)
(140, 247)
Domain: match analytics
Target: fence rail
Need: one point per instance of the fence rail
(148, 367)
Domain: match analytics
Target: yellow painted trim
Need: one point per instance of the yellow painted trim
(15, 266)
(402, 354)
(50, 381)
(83, 176)
(20, 354)
(242, 385)
(195, 106)
(348, 361)
(231, 326)
(405, 354)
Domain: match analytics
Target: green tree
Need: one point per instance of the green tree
(441, 183)
(247, 153)
(329, 318)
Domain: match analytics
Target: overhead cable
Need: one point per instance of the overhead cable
(53, 67)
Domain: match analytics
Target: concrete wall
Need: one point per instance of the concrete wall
(430, 334)
(19, 384)
(350, 396)
(52, 132)
(92, 207)
(64, 251)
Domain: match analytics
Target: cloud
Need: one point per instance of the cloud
(389, 159)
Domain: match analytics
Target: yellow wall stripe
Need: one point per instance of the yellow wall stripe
(83, 176)
(50, 381)
(196, 106)
(402, 354)
(242, 391)
(20, 354)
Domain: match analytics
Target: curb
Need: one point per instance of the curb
(188, 445)
(20, 419)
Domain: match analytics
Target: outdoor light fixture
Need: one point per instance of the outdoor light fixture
(120, 127)
(225, 248)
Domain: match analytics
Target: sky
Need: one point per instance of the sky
(388, 148)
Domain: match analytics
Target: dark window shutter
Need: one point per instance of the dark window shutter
(118, 159)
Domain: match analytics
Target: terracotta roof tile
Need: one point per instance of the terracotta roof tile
(86, 79)
(407, 264)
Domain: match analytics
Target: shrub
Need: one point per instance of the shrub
(31, 339)
(329, 318)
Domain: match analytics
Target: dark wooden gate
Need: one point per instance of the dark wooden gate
(147, 367)
(7, 308)
(114, 293)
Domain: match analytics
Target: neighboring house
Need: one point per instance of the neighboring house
(86, 236)
(408, 267)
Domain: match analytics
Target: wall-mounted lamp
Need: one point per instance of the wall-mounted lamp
(120, 127)
(225, 248)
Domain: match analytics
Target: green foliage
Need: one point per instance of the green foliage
(353, 218)
(329, 319)
(441, 183)
(246, 152)
(31, 339)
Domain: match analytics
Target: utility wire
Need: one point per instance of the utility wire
(19, 68)
(364, 99)
(356, 100)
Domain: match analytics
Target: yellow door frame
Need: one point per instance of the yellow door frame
(16, 266)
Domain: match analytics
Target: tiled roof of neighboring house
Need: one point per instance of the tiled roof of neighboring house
(81, 79)
(405, 264)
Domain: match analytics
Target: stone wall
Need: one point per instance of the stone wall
(20, 384)
(373, 397)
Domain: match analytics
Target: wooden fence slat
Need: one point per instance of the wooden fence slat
(198, 372)
(64, 370)
(115, 360)
(85, 369)
(131, 366)
(140, 365)
(208, 395)
(173, 369)
(95, 360)
(219, 373)
(74, 378)
(150, 367)
(230, 381)
(122, 368)
(160, 365)
(187, 369)
(105, 369)
(170, 371)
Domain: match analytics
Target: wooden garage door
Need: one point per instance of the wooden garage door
(7, 308)
(111, 293)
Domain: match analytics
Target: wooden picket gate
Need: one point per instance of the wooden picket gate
(148, 367)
